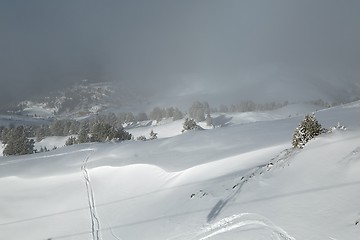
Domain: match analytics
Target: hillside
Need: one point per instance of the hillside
(81, 99)
(237, 181)
(84, 98)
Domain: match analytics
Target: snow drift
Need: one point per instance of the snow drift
(239, 181)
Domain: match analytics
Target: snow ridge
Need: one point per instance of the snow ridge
(279, 161)
(95, 223)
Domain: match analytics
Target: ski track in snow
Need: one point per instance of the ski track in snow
(95, 223)
(245, 221)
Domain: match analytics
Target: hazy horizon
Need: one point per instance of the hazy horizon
(255, 48)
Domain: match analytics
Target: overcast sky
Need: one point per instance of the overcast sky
(151, 43)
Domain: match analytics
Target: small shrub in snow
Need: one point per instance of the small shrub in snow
(308, 129)
(153, 135)
(337, 127)
(189, 124)
(44, 149)
(141, 138)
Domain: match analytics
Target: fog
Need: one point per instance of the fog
(250, 47)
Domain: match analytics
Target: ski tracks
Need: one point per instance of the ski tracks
(95, 222)
(244, 221)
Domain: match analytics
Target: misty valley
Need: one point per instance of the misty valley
(179, 120)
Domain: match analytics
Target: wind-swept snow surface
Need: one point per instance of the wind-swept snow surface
(238, 181)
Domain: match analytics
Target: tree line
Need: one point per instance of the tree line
(20, 140)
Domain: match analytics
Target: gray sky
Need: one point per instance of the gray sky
(151, 43)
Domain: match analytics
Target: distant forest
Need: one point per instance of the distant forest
(111, 127)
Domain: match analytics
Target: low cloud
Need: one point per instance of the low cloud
(159, 45)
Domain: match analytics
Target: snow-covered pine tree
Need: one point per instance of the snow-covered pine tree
(308, 129)
(299, 139)
(189, 124)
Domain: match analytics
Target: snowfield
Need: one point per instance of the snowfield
(239, 180)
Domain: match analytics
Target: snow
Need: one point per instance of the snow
(164, 129)
(239, 180)
(298, 109)
(167, 128)
(38, 111)
(51, 142)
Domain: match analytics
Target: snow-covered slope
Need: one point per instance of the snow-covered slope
(168, 128)
(51, 142)
(239, 181)
(16, 120)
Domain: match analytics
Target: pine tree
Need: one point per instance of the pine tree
(156, 114)
(122, 135)
(189, 124)
(5, 135)
(40, 134)
(197, 111)
(101, 132)
(308, 129)
(66, 128)
(71, 141)
(169, 112)
(18, 143)
(57, 128)
(83, 136)
(74, 127)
